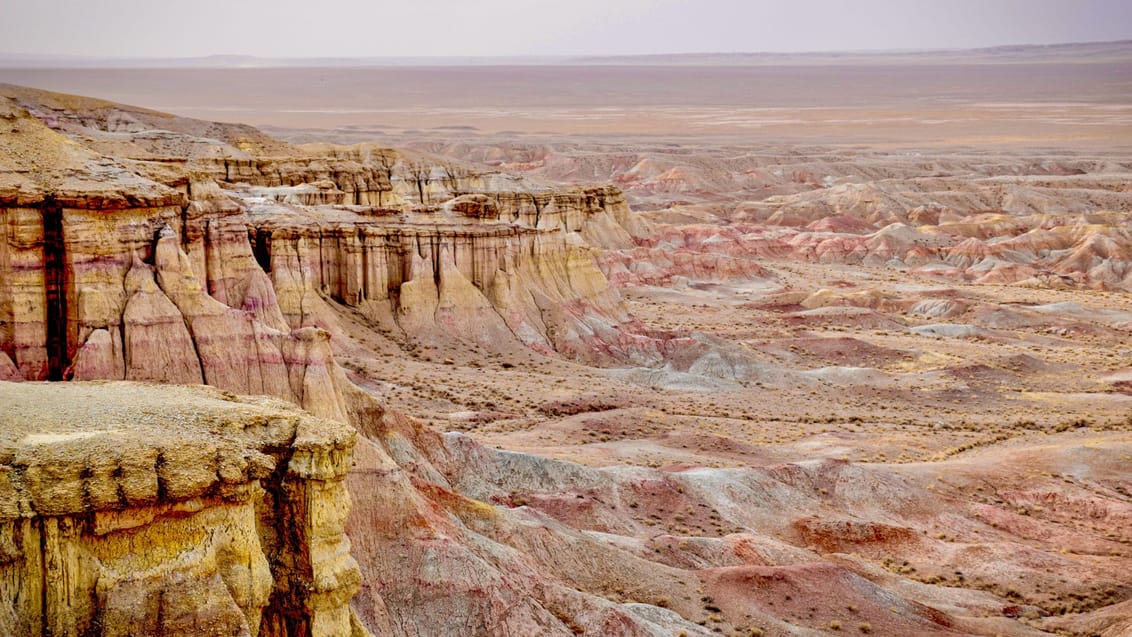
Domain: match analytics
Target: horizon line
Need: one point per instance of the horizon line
(220, 57)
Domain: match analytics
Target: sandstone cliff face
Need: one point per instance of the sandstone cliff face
(491, 283)
(198, 268)
(131, 509)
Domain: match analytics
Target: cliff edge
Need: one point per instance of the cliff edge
(131, 509)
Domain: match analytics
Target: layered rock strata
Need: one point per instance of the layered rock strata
(171, 263)
(131, 509)
(489, 282)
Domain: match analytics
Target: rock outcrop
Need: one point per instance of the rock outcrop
(491, 283)
(173, 263)
(131, 509)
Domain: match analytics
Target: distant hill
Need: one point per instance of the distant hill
(1082, 52)
(23, 61)
(1091, 52)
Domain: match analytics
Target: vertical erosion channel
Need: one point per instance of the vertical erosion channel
(54, 272)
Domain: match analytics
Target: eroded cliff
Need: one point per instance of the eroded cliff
(130, 509)
(175, 260)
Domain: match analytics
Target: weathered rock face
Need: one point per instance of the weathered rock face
(132, 268)
(489, 283)
(126, 304)
(131, 509)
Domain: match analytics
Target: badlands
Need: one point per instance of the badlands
(644, 347)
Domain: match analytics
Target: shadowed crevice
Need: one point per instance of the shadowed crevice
(54, 267)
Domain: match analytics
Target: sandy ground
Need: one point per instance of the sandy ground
(1045, 104)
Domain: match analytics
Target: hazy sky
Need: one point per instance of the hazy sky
(350, 28)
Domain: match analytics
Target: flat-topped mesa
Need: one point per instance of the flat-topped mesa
(140, 267)
(485, 279)
(378, 180)
(53, 196)
(131, 509)
(484, 256)
(138, 282)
